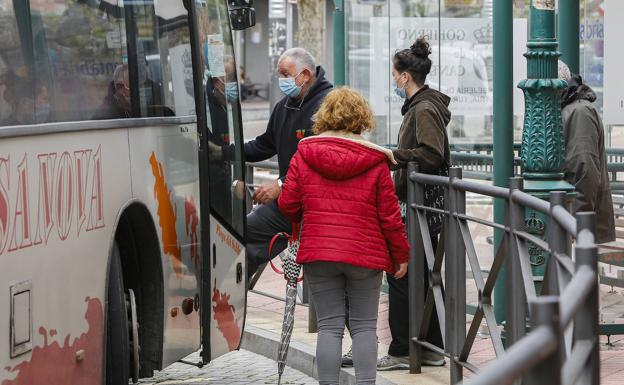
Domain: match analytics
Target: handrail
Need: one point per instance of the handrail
(575, 294)
(266, 164)
(519, 358)
(568, 300)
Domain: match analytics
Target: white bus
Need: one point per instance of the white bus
(121, 241)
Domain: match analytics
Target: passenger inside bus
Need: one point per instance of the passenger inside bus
(116, 104)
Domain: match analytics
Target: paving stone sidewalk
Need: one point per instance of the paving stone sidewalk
(236, 368)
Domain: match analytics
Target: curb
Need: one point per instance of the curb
(301, 357)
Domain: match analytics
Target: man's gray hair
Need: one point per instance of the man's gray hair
(564, 71)
(121, 75)
(302, 58)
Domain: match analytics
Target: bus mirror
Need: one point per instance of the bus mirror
(242, 18)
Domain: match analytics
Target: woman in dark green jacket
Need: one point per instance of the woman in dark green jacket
(422, 139)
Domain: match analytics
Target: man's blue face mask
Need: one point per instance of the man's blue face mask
(289, 86)
(231, 91)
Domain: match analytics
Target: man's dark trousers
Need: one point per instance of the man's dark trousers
(398, 313)
(262, 224)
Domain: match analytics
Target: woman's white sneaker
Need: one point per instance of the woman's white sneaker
(389, 362)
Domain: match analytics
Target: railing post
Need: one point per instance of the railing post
(545, 311)
(515, 326)
(557, 278)
(455, 271)
(558, 242)
(416, 270)
(586, 322)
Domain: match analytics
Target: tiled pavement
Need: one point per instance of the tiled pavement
(236, 368)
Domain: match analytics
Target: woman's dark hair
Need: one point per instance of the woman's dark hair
(414, 60)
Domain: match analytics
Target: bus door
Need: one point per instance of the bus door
(221, 179)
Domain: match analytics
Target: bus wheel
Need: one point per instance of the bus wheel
(134, 335)
(117, 343)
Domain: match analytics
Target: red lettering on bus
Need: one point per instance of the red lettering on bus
(228, 240)
(45, 219)
(96, 201)
(64, 196)
(83, 158)
(20, 236)
(4, 203)
(57, 195)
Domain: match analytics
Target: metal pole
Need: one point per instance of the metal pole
(586, 323)
(543, 151)
(455, 271)
(568, 21)
(289, 25)
(546, 313)
(558, 243)
(416, 270)
(339, 43)
(277, 46)
(503, 124)
(515, 327)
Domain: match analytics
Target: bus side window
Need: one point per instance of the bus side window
(163, 56)
(77, 48)
(17, 93)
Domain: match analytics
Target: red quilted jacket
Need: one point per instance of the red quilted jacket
(340, 189)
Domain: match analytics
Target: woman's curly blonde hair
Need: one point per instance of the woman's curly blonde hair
(344, 109)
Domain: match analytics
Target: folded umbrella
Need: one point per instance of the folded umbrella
(291, 271)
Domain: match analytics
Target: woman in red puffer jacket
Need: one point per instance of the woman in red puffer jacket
(339, 188)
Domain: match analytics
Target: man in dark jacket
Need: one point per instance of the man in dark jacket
(305, 87)
(586, 160)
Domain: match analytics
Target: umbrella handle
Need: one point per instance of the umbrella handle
(271, 244)
(280, 272)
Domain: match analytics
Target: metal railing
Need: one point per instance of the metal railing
(477, 161)
(562, 346)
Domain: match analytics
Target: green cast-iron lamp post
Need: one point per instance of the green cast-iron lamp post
(543, 148)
